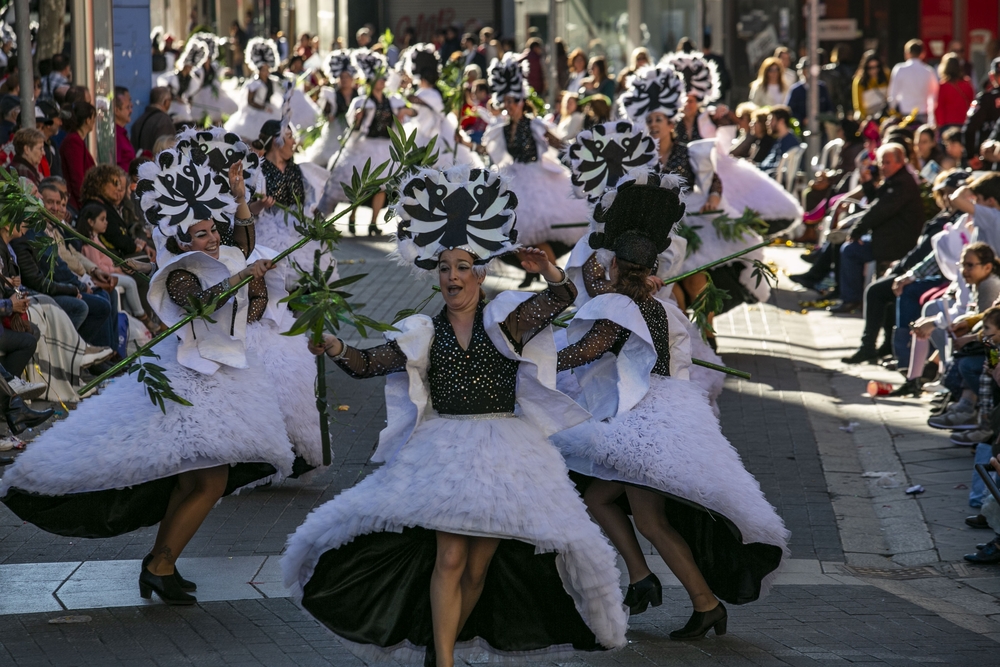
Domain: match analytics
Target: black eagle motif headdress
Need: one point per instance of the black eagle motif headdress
(370, 65)
(601, 156)
(638, 216)
(220, 150)
(261, 52)
(652, 89)
(175, 193)
(701, 75)
(506, 77)
(470, 209)
(336, 63)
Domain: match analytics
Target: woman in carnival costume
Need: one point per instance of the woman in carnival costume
(703, 86)
(258, 94)
(471, 538)
(722, 539)
(119, 463)
(550, 218)
(186, 80)
(599, 158)
(421, 65)
(336, 98)
(211, 99)
(371, 114)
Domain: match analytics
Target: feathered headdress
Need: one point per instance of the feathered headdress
(156, 37)
(195, 54)
(469, 209)
(506, 77)
(701, 76)
(7, 33)
(220, 150)
(601, 156)
(261, 52)
(286, 112)
(211, 43)
(638, 216)
(102, 61)
(336, 63)
(370, 65)
(652, 89)
(420, 60)
(175, 192)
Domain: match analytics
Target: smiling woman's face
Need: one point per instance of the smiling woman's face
(459, 283)
(205, 238)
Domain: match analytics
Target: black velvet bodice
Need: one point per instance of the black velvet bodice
(478, 380)
(521, 141)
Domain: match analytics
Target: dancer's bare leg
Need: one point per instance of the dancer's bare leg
(649, 512)
(481, 550)
(378, 202)
(194, 497)
(600, 499)
(446, 593)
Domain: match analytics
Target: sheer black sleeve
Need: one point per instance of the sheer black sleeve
(182, 285)
(538, 312)
(245, 238)
(594, 277)
(373, 361)
(605, 336)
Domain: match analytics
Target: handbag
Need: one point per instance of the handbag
(19, 322)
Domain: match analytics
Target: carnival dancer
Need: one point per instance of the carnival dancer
(722, 539)
(371, 114)
(427, 115)
(257, 104)
(305, 112)
(211, 99)
(549, 217)
(472, 533)
(336, 98)
(186, 80)
(703, 87)
(119, 463)
(600, 158)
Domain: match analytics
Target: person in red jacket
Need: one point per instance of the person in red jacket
(76, 159)
(955, 94)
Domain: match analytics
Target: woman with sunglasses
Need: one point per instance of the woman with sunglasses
(870, 90)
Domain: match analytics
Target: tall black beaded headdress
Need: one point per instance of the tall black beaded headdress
(701, 75)
(601, 156)
(468, 209)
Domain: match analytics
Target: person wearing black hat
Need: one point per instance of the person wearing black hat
(982, 117)
(664, 462)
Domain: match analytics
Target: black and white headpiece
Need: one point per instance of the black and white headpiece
(7, 33)
(652, 89)
(261, 52)
(601, 156)
(506, 77)
(194, 55)
(701, 76)
(220, 150)
(469, 209)
(156, 36)
(286, 112)
(102, 61)
(175, 193)
(420, 60)
(370, 65)
(638, 216)
(336, 63)
(211, 43)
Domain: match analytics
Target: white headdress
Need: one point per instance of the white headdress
(175, 193)
(220, 150)
(7, 33)
(601, 156)
(195, 54)
(418, 59)
(338, 62)
(506, 77)
(701, 76)
(103, 59)
(156, 37)
(653, 88)
(468, 209)
(211, 43)
(370, 65)
(261, 52)
(286, 113)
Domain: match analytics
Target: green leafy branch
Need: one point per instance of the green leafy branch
(407, 312)
(764, 271)
(747, 224)
(724, 260)
(709, 300)
(690, 234)
(154, 379)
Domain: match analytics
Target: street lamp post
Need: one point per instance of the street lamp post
(22, 26)
(813, 78)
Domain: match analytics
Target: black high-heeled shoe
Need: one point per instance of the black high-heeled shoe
(20, 417)
(165, 587)
(186, 586)
(643, 593)
(701, 622)
(351, 227)
(373, 230)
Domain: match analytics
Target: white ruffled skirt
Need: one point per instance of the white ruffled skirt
(671, 443)
(327, 144)
(107, 468)
(714, 248)
(247, 121)
(358, 150)
(544, 200)
(361, 563)
(276, 230)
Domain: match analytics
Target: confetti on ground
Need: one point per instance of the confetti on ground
(65, 620)
(343, 408)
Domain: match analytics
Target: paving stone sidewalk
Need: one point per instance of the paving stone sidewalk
(785, 423)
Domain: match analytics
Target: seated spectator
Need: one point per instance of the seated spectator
(153, 123)
(598, 82)
(50, 127)
(928, 153)
(887, 230)
(29, 150)
(640, 58)
(989, 552)
(124, 153)
(571, 118)
(757, 143)
(954, 149)
(474, 110)
(779, 120)
(106, 185)
(769, 89)
(76, 157)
